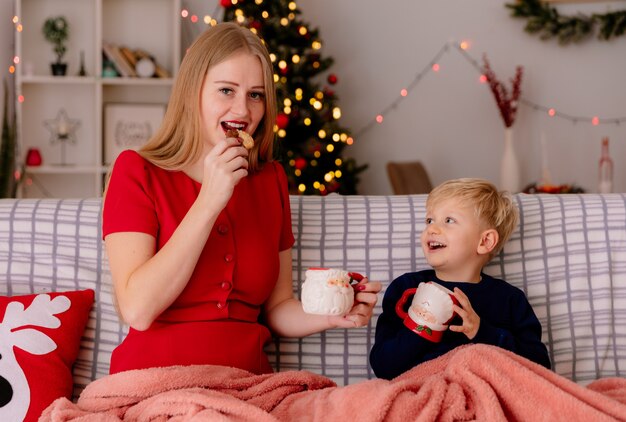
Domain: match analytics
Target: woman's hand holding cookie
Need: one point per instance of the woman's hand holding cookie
(224, 166)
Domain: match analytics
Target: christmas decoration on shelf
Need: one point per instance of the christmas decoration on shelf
(310, 140)
(62, 130)
(549, 23)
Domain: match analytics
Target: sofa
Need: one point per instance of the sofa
(568, 254)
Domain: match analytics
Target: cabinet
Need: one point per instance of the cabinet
(76, 167)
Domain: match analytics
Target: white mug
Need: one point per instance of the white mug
(430, 312)
(328, 291)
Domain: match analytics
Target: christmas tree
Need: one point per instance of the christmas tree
(310, 140)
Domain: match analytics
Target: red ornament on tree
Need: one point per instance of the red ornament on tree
(226, 3)
(284, 70)
(282, 120)
(256, 25)
(300, 163)
(332, 79)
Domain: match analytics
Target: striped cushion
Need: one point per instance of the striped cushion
(568, 254)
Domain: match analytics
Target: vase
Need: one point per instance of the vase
(605, 179)
(509, 167)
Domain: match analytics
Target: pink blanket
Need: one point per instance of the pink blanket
(476, 382)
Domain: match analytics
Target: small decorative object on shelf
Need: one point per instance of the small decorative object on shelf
(108, 69)
(537, 188)
(82, 71)
(56, 31)
(62, 130)
(33, 157)
(605, 167)
(145, 68)
(507, 104)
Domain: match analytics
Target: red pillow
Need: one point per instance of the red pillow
(39, 342)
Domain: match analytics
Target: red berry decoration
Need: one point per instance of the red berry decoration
(226, 3)
(282, 120)
(332, 79)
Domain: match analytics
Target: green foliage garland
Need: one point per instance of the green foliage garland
(546, 20)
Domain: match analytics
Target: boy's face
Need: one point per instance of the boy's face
(451, 239)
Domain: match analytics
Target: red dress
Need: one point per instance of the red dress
(215, 318)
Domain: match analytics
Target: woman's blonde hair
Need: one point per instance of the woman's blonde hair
(494, 208)
(179, 140)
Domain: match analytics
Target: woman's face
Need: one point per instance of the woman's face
(233, 97)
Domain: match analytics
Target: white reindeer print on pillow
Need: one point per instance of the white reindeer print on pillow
(38, 338)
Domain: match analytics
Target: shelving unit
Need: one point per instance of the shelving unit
(150, 25)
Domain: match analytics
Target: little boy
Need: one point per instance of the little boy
(467, 223)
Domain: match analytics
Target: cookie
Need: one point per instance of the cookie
(246, 140)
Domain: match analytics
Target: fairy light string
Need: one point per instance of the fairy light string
(462, 49)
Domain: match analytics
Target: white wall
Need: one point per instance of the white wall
(450, 121)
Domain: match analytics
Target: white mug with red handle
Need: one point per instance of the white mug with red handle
(430, 312)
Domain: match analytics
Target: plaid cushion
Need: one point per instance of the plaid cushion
(568, 254)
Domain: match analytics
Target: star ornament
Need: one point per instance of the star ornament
(62, 128)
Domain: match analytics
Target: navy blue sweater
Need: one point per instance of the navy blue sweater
(506, 320)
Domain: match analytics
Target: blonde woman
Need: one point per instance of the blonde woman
(198, 228)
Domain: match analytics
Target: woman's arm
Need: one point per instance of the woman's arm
(286, 318)
(146, 281)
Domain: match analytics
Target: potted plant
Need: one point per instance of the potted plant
(56, 31)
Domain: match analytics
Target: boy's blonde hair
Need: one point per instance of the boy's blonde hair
(494, 208)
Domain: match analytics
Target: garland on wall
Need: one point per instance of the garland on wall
(549, 23)
(434, 66)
